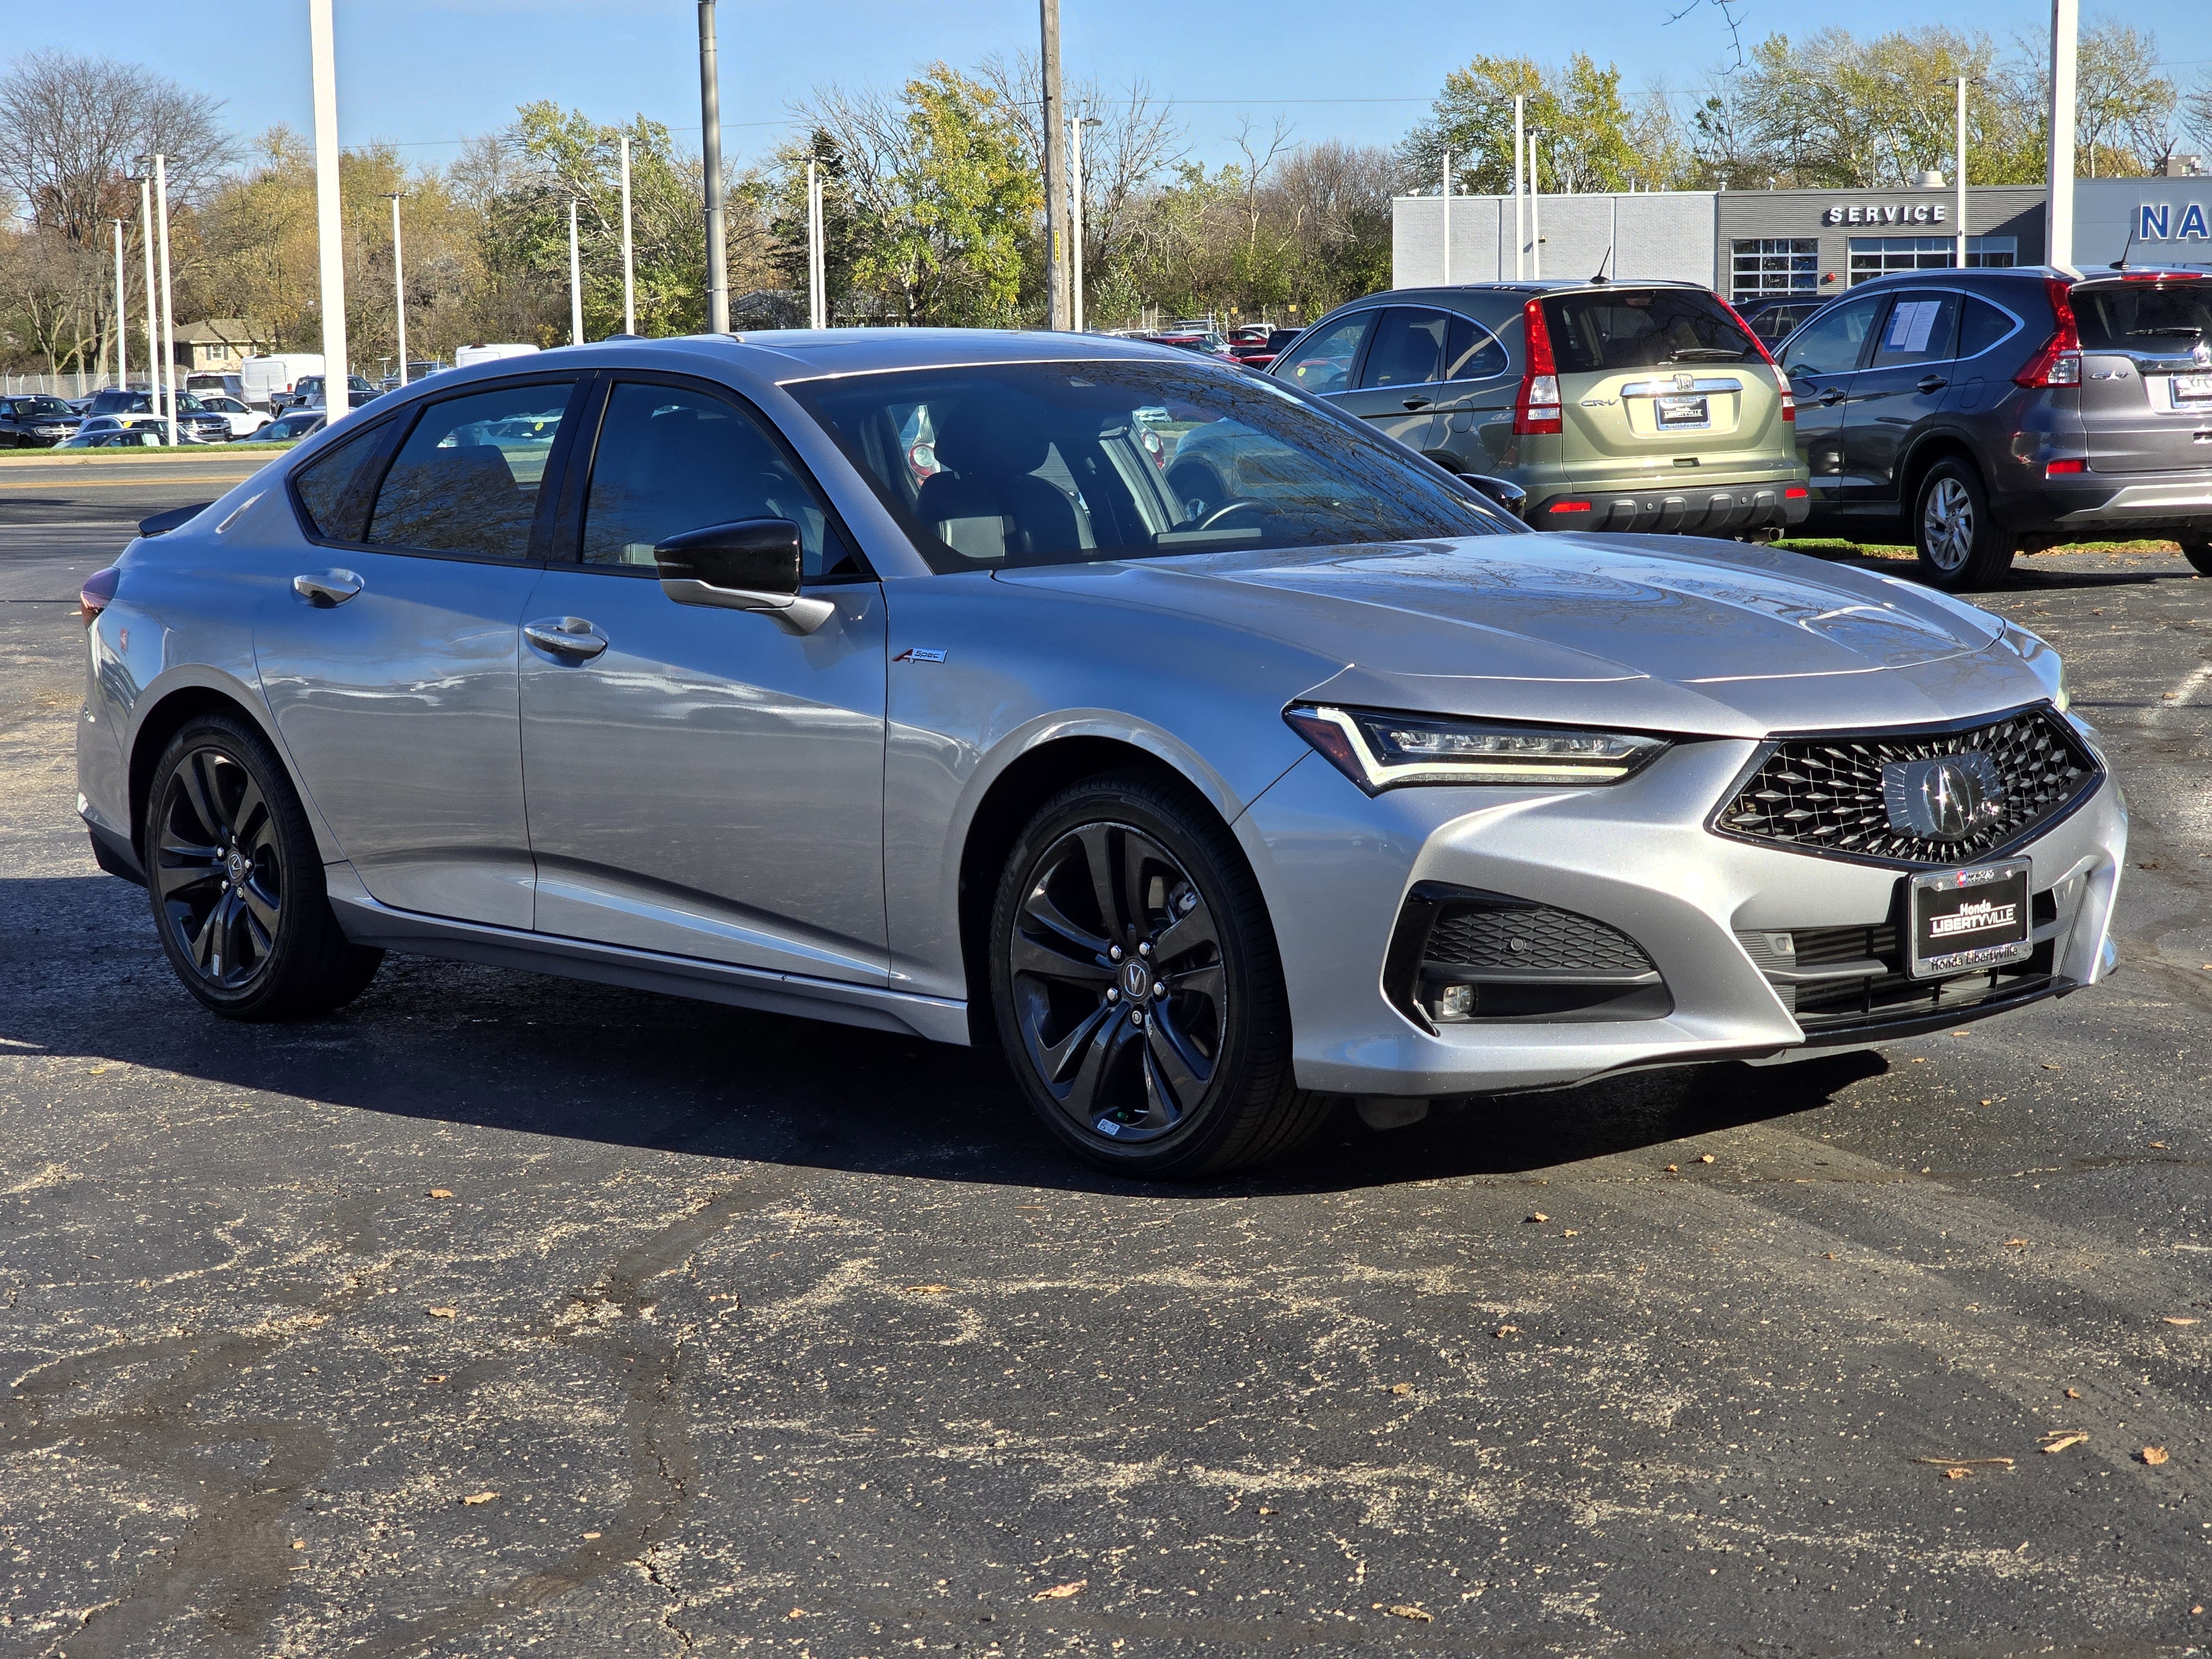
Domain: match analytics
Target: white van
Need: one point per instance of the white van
(488, 354)
(267, 382)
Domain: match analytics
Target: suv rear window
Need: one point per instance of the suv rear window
(2162, 319)
(1643, 328)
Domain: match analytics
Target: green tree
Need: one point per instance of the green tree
(1583, 127)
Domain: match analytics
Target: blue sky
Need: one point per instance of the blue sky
(426, 72)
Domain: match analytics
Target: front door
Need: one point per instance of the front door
(1401, 380)
(388, 660)
(1822, 361)
(1905, 380)
(701, 782)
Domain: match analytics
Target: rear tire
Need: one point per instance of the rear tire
(1962, 547)
(1138, 992)
(236, 881)
(2197, 549)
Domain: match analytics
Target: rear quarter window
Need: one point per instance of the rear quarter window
(1620, 328)
(333, 490)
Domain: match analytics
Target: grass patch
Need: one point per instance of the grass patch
(119, 457)
(1826, 547)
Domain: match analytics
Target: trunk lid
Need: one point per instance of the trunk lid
(2147, 372)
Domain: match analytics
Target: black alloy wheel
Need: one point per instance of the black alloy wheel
(1138, 997)
(2197, 549)
(236, 882)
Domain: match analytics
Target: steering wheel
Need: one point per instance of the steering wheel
(1228, 508)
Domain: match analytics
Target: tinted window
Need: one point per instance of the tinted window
(1617, 328)
(1920, 328)
(1408, 349)
(332, 489)
(2162, 320)
(1832, 342)
(1071, 463)
(1324, 362)
(671, 459)
(1981, 327)
(1472, 352)
(466, 479)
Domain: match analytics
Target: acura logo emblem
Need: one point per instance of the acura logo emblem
(1952, 798)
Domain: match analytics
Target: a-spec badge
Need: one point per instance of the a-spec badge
(918, 654)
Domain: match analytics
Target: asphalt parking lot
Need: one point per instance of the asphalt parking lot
(503, 1315)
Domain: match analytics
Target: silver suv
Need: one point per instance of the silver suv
(1983, 413)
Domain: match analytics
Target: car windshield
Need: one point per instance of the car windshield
(32, 406)
(1618, 328)
(2167, 318)
(1064, 463)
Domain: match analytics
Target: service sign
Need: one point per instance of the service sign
(1887, 213)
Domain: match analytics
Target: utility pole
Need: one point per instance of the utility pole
(818, 302)
(153, 300)
(1520, 234)
(2065, 42)
(329, 229)
(710, 120)
(1535, 213)
(398, 285)
(1962, 180)
(1446, 193)
(1055, 176)
(575, 281)
(168, 363)
(630, 267)
(122, 317)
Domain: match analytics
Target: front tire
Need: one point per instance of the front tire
(1962, 547)
(237, 884)
(1138, 995)
(2197, 549)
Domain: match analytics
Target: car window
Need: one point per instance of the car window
(1922, 327)
(1323, 362)
(1620, 328)
(1832, 342)
(671, 459)
(2165, 318)
(1473, 352)
(1070, 463)
(333, 488)
(465, 481)
(1983, 325)
(1408, 349)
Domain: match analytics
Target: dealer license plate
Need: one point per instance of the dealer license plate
(1963, 920)
(1683, 412)
(2191, 389)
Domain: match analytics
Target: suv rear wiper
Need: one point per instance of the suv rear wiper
(2164, 333)
(1704, 354)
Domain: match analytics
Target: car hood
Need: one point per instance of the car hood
(1661, 633)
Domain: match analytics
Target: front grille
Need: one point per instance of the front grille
(1538, 938)
(1824, 794)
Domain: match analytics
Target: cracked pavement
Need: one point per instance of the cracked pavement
(501, 1313)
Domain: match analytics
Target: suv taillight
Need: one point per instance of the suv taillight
(1782, 381)
(1537, 409)
(2059, 361)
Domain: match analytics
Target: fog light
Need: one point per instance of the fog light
(1452, 1002)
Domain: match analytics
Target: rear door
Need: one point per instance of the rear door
(1822, 361)
(1906, 380)
(1661, 382)
(2147, 373)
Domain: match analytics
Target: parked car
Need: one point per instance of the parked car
(416, 372)
(289, 428)
(244, 422)
(1613, 405)
(1206, 341)
(1983, 413)
(1260, 347)
(267, 382)
(110, 432)
(469, 356)
(1773, 320)
(217, 385)
(35, 421)
(1343, 787)
(308, 392)
(195, 424)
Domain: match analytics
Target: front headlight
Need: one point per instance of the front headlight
(1378, 750)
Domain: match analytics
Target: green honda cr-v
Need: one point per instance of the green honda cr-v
(1629, 406)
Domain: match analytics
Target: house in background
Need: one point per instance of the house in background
(218, 346)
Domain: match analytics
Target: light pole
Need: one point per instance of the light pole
(575, 281)
(122, 317)
(818, 300)
(1535, 213)
(1961, 156)
(629, 269)
(2065, 43)
(1520, 236)
(1446, 193)
(710, 119)
(398, 285)
(1055, 175)
(1075, 201)
(168, 364)
(328, 226)
(153, 300)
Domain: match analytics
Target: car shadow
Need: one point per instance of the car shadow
(82, 979)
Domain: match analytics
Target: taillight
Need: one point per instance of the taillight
(1537, 409)
(97, 594)
(1795, 493)
(2059, 361)
(1788, 399)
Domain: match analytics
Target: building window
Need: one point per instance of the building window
(1878, 256)
(1762, 267)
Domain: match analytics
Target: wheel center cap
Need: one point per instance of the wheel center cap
(1136, 980)
(238, 865)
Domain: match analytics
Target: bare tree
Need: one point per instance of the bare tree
(72, 128)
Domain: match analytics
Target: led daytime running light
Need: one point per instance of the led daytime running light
(1381, 750)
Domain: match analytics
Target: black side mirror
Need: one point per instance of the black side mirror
(1507, 494)
(753, 564)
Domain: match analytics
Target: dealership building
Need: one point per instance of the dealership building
(1766, 245)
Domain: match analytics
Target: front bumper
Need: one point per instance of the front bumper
(1337, 868)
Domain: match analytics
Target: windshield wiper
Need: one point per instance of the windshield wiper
(1704, 354)
(2186, 333)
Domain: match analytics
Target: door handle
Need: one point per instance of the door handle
(1831, 396)
(333, 587)
(1929, 383)
(566, 636)
(1415, 402)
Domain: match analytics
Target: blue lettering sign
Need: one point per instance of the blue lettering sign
(2192, 224)
(2157, 225)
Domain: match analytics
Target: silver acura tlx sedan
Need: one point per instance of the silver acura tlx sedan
(1216, 757)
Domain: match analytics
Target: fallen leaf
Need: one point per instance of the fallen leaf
(1509, 1330)
(1949, 1463)
(439, 1192)
(2175, 1319)
(1060, 1592)
(1538, 1216)
(1572, 1232)
(796, 1612)
(443, 1313)
(2153, 1455)
(1673, 1170)
(2048, 1067)
(1415, 1613)
(1827, 1255)
(927, 1289)
(2158, 1145)
(1956, 1474)
(2073, 1394)
(1401, 1388)
(2071, 1438)
(480, 1498)
(589, 1536)
(433, 1379)
(1269, 1512)
(2015, 1243)
(302, 1543)
(1704, 1157)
